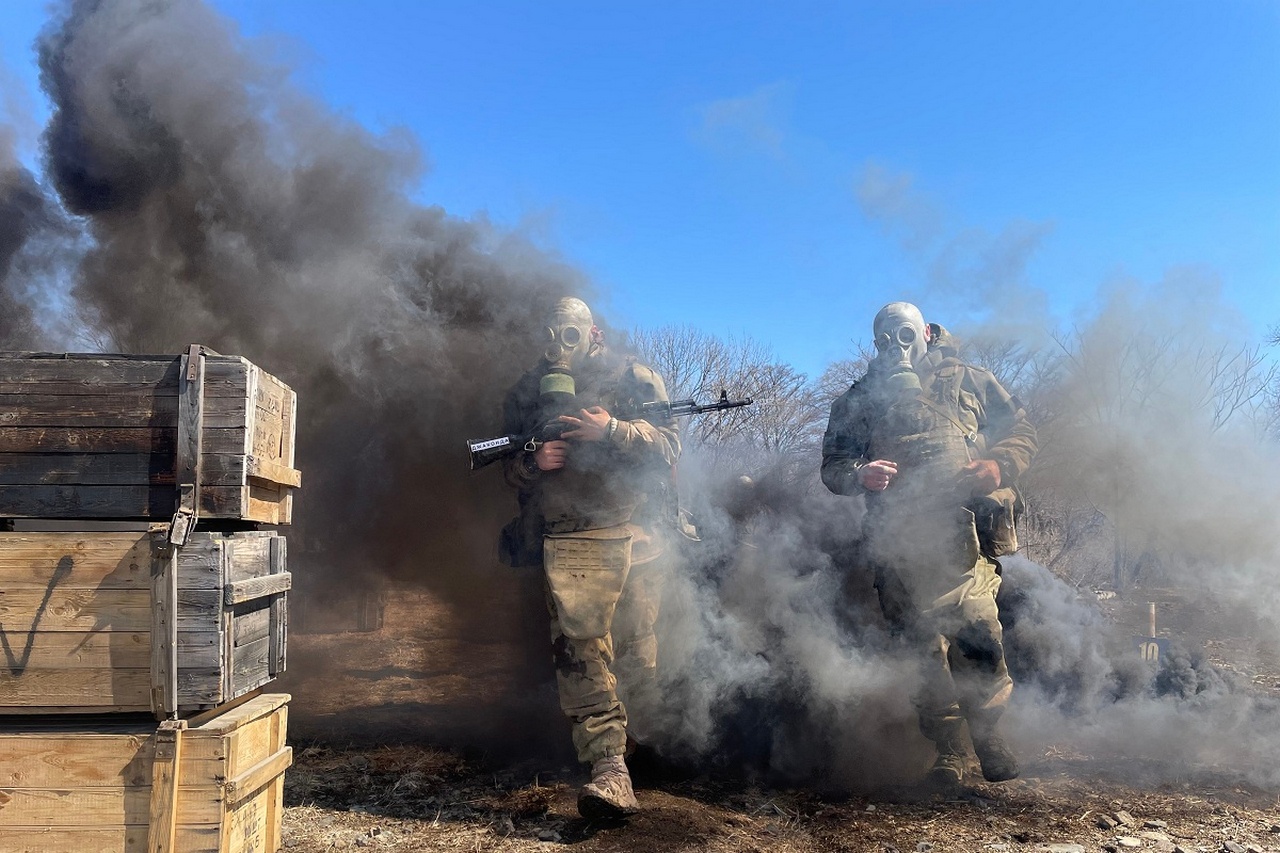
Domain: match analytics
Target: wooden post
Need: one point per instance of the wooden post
(189, 462)
(163, 828)
(279, 611)
(164, 630)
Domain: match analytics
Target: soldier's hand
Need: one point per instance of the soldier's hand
(981, 476)
(590, 427)
(876, 476)
(551, 455)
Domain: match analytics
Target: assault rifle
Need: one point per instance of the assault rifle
(485, 451)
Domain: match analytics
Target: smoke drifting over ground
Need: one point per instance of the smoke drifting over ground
(1147, 423)
(213, 203)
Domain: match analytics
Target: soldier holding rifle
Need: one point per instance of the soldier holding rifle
(597, 502)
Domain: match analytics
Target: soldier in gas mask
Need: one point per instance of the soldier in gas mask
(935, 446)
(596, 505)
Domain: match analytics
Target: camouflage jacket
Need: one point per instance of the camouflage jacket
(625, 478)
(994, 423)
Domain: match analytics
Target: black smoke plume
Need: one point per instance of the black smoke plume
(224, 207)
(204, 199)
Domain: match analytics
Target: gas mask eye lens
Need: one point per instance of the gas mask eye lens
(571, 336)
(551, 333)
(906, 336)
(882, 342)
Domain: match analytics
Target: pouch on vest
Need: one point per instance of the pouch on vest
(520, 542)
(995, 516)
(586, 571)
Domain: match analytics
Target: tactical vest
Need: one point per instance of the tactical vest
(924, 433)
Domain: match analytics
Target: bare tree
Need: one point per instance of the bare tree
(783, 425)
(1119, 415)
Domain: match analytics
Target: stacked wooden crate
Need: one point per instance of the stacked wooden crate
(178, 617)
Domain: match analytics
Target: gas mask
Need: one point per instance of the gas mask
(899, 331)
(568, 343)
(927, 447)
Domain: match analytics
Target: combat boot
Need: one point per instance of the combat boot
(608, 796)
(997, 760)
(948, 767)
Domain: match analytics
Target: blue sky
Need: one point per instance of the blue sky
(782, 170)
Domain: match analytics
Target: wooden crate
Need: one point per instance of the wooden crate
(98, 436)
(95, 785)
(82, 625)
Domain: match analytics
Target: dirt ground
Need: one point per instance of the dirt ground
(399, 747)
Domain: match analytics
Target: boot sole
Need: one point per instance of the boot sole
(942, 778)
(593, 807)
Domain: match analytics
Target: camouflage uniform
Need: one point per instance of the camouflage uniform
(937, 588)
(622, 485)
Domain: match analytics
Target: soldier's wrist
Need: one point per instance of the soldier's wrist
(611, 429)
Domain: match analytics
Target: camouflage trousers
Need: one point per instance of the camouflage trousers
(961, 646)
(599, 678)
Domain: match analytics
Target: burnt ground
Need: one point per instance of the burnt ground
(403, 742)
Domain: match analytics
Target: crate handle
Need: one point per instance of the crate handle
(258, 775)
(251, 588)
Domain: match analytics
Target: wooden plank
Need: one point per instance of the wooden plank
(76, 760)
(248, 557)
(125, 502)
(259, 706)
(270, 395)
(247, 679)
(287, 452)
(91, 690)
(251, 625)
(126, 839)
(77, 650)
(268, 439)
(115, 410)
(129, 439)
(272, 472)
(75, 688)
(85, 501)
(121, 469)
(103, 806)
(253, 779)
(164, 633)
(279, 610)
(96, 560)
(251, 743)
(68, 712)
(78, 386)
(164, 786)
(250, 666)
(95, 610)
(90, 369)
(248, 826)
(76, 610)
(249, 589)
(200, 563)
(269, 504)
(188, 468)
(88, 374)
(106, 650)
